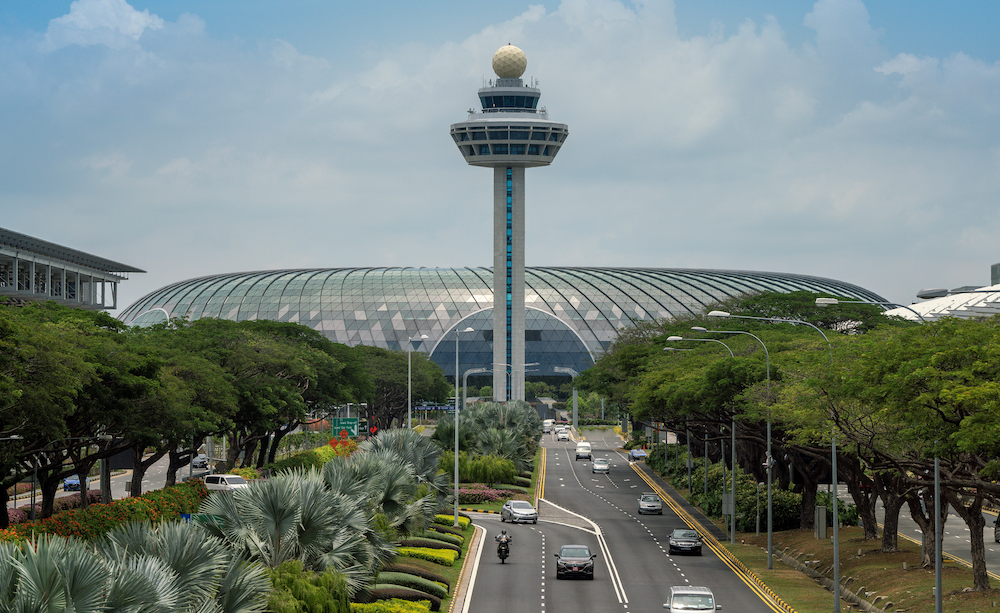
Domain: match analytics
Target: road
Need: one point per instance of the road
(634, 571)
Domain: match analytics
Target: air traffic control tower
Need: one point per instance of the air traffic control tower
(509, 134)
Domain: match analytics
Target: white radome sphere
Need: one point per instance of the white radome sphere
(509, 62)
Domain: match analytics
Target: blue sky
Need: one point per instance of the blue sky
(839, 138)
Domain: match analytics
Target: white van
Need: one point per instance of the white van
(225, 483)
(547, 425)
(583, 451)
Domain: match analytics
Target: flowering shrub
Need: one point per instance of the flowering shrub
(247, 473)
(393, 605)
(477, 493)
(99, 519)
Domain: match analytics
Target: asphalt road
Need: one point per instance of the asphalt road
(634, 571)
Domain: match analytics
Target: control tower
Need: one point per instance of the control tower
(509, 134)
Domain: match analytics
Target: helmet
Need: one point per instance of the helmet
(503, 532)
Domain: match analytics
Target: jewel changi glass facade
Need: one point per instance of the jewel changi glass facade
(572, 314)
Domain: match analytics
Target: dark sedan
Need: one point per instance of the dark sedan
(575, 561)
(685, 541)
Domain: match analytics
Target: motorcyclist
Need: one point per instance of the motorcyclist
(503, 537)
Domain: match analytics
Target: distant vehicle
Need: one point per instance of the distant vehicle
(200, 461)
(225, 483)
(600, 465)
(575, 561)
(637, 454)
(691, 598)
(650, 503)
(562, 435)
(72, 483)
(516, 511)
(547, 425)
(583, 451)
(683, 540)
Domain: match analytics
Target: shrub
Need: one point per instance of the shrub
(446, 529)
(430, 543)
(444, 557)
(381, 592)
(477, 493)
(442, 536)
(490, 469)
(247, 473)
(298, 591)
(413, 569)
(394, 605)
(412, 582)
(522, 481)
(448, 520)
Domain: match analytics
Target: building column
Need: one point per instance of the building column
(508, 283)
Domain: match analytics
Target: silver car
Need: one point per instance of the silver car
(650, 503)
(691, 598)
(600, 465)
(517, 511)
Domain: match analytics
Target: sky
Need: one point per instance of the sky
(852, 140)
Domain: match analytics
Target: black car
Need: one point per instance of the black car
(575, 561)
(686, 541)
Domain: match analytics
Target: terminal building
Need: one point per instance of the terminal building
(571, 314)
(33, 269)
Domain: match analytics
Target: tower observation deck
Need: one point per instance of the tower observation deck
(509, 134)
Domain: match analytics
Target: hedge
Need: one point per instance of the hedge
(99, 519)
(296, 590)
(449, 520)
(446, 530)
(413, 582)
(442, 536)
(413, 569)
(430, 543)
(314, 458)
(444, 557)
(394, 605)
(383, 591)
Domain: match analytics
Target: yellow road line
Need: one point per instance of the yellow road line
(766, 594)
(944, 554)
(540, 489)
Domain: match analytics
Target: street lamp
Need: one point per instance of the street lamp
(767, 358)
(573, 375)
(409, 379)
(465, 382)
(732, 532)
(457, 334)
(824, 302)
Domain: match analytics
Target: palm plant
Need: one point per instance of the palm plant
(417, 450)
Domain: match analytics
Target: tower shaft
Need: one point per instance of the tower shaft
(508, 283)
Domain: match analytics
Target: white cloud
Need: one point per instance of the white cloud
(111, 23)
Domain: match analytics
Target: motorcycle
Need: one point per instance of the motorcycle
(503, 550)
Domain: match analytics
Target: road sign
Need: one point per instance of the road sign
(350, 424)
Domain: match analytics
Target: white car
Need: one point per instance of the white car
(225, 483)
(600, 465)
(516, 511)
(562, 435)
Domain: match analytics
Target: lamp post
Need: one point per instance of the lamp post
(457, 334)
(825, 302)
(573, 374)
(465, 381)
(767, 362)
(409, 379)
(833, 462)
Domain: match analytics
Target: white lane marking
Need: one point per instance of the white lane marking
(475, 571)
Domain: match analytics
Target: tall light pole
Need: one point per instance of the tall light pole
(824, 302)
(409, 379)
(767, 358)
(573, 375)
(833, 461)
(457, 334)
(465, 382)
(732, 531)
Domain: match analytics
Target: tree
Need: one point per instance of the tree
(388, 371)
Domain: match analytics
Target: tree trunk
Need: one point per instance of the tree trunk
(890, 528)
(973, 517)
(923, 515)
(4, 517)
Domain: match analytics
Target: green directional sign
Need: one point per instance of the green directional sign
(342, 424)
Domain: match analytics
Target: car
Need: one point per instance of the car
(575, 561)
(685, 540)
(562, 435)
(637, 454)
(600, 465)
(691, 598)
(200, 461)
(72, 483)
(650, 503)
(516, 511)
(225, 483)
(583, 451)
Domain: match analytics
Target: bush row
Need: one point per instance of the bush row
(63, 503)
(431, 544)
(413, 582)
(295, 590)
(442, 536)
(99, 519)
(314, 458)
(447, 530)
(382, 592)
(413, 569)
(464, 521)
(477, 493)
(394, 605)
(444, 557)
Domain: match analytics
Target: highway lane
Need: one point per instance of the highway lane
(634, 571)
